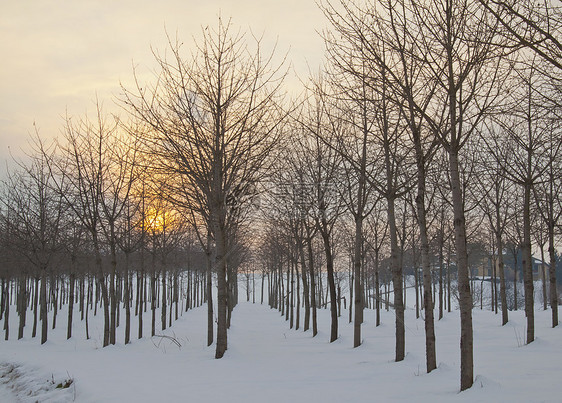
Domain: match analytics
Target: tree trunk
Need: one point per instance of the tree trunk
(500, 266)
(377, 291)
(312, 287)
(113, 291)
(127, 301)
(22, 306)
(72, 280)
(332, 287)
(528, 265)
(400, 346)
(431, 361)
(465, 297)
(209, 284)
(141, 285)
(35, 303)
(543, 280)
(164, 292)
(358, 318)
(6, 292)
(222, 291)
(552, 277)
(306, 296)
(43, 304)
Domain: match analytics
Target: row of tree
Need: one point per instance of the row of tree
(432, 125)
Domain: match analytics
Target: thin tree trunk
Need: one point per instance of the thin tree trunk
(35, 304)
(72, 280)
(306, 324)
(127, 301)
(500, 265)
(332, 287)
(22, 306)
(528, 266)
(7, 311)
(209, 284)
(377, 291)
(43, 304)
(312, 288)
(552, 277)
(543, 280)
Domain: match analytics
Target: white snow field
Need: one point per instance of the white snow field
(268, 362)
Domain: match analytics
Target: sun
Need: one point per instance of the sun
(158, 220)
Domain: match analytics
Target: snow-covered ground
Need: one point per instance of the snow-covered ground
(268, 362)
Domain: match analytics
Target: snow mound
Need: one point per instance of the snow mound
(483, 382)
(26, 384)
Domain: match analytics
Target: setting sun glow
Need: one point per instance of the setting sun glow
(158, 220)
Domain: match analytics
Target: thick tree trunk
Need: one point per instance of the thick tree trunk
(113, 293)
(103, 287)
(312, 287)
(72, 279)
(351, 283)
(332, 287)
(164, 299)
(105, 299)
(54, 296)
(441, 273)
(306, 296)
(298, 294)
(357, 258)
(515, 304)
(127, 301)
(552, 277)
(43, 304)
(288, 294)
(465, 297)
(431, 361)
(6, 292)
(400, 348)
(153, 302)
(222, 290)
(35, 304)
(500, 267)
(209, 285)
(22, 306)
(542, 275)
(377, 291)
(528, 265)
(141, 285)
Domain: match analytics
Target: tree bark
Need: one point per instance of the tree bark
(528, 264)
(465, 297)
(552, 277)
(400, 347)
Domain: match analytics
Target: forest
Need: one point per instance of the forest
(425, 154)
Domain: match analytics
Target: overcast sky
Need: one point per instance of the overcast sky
(56, 56)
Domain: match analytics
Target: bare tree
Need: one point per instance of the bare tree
(322, 168)
(530, 24)
(213, 120)
(78, 176)
(547, 193)
(495, 205)
(36, 224)
(522, 133)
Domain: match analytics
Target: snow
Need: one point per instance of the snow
(267, 361)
